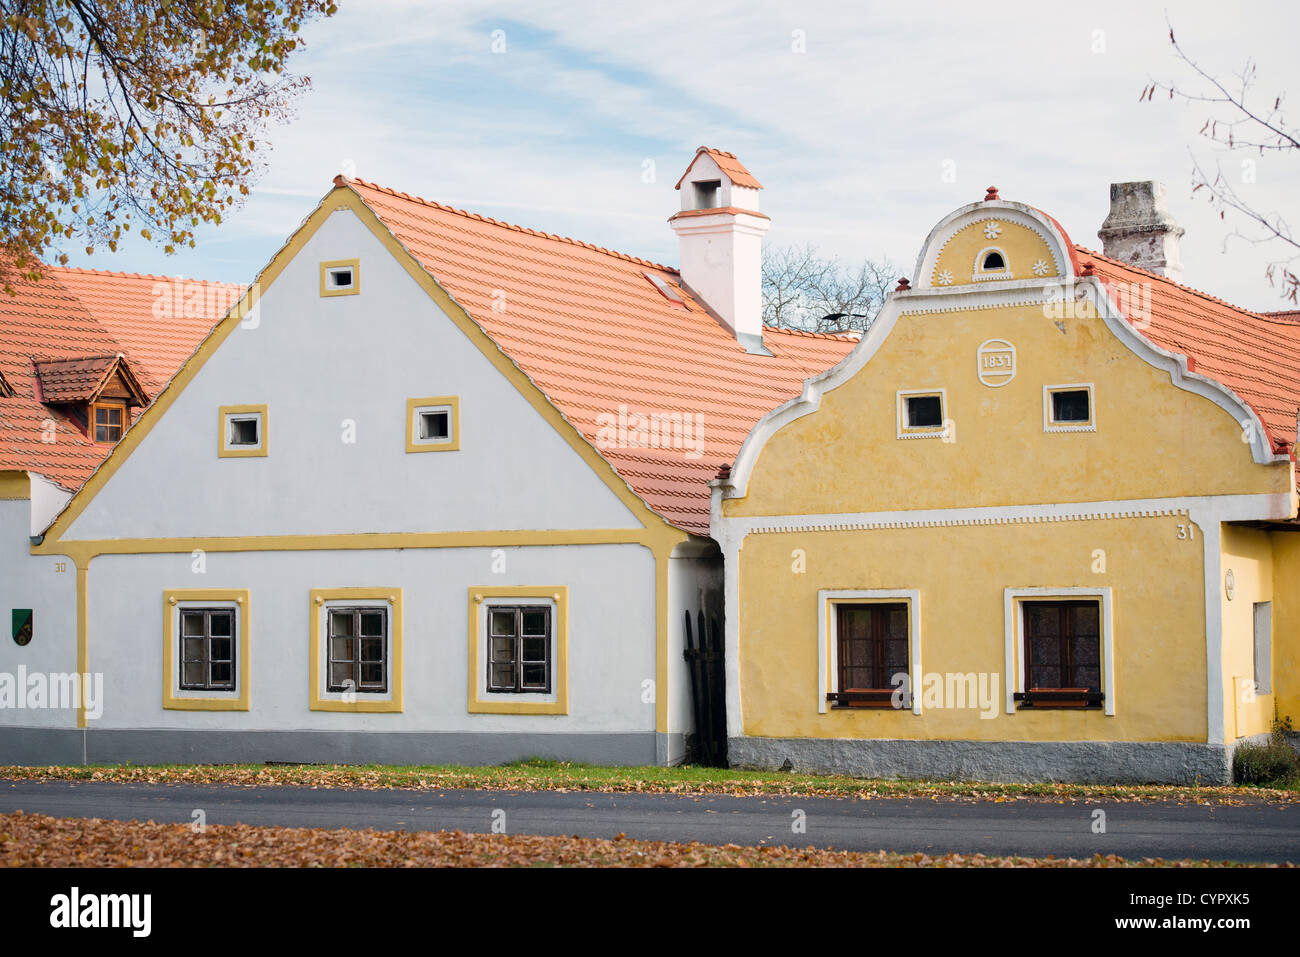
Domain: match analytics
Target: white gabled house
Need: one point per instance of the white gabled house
(434, 491)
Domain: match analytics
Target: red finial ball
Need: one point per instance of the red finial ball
(992, 194)
(903, 285)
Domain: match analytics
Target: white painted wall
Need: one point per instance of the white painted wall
(611, 634)
(35, 582)
(318, 363)
(48, 500)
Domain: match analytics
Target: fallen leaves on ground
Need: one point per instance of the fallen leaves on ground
(37, 840)
(545, 775)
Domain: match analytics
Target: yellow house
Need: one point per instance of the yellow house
(1039, 524)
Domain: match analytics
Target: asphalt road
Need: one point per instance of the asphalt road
(1249, 832)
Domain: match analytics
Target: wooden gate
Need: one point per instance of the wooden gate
(704, 657)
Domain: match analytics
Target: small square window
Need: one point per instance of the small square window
(340, 277)
(432, 424)
(435, 425)
(519, 651)
(921, 414)
(1068, 408)
(243, 431)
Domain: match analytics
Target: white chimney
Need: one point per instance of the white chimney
(1140, 230)
(720, 231)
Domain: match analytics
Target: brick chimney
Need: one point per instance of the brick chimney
(1140, 230)
(720, 232)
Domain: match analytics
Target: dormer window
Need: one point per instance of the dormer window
(708, 194)
(991, 263)
(107, 421)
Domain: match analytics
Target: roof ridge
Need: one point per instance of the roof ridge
(136, 275)
(837, 336)
(627, 257)
(1173, 282)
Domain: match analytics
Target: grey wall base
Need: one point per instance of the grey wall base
(41, 746)
(1099, 762)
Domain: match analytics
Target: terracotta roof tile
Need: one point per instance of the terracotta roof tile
(601, 342)
(1255, 355)
(56, 336)
(727, 162)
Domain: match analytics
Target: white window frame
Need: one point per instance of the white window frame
(322, 622)
(1013, 600)
(828, 646)
(178, 642)
(485, 650)
(921, 432)
(984, 275)
(1051, 425)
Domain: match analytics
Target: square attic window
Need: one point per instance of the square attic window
(340, 278)
(433, 424)
(1069, 408)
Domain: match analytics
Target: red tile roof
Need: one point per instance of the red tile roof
(50, 333)
(600, 340)
(1255, 355)
(80, 379)
(727, 162)
(159, 320)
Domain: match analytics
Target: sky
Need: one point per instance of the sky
(866, 123)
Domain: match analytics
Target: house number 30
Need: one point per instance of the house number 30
(60, 567)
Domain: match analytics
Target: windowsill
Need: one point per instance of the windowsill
(1077, 699)
(875, 698)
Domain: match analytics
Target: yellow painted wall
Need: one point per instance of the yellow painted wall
(1249, 553)
(1023, 248)
(1152, 440)
(1158, 611)
(1286, 624)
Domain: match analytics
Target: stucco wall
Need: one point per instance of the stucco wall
(1286, 625)
(960, 572)
(611, 644)
(1249, 554)
(323, 365)
(47, 584)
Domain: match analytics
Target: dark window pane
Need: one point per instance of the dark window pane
(372, 623)
(222, 673)
(372, 675)
(243, 431)
(503, 622)
(340, 623)
(193, 675)
(1070, 406)
(994, 261)
(372, 649)
(220, 624)
(534, 676)
(435, 425)
(339, 673)
(192, 649)
(924, 411)
(341, 649)
(535, 621)
(1085, 619)
(534, 649)
(503, 676)
(219, 649)
(503, 649)
(192, 623)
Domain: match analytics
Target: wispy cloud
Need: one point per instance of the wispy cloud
(852, 136)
